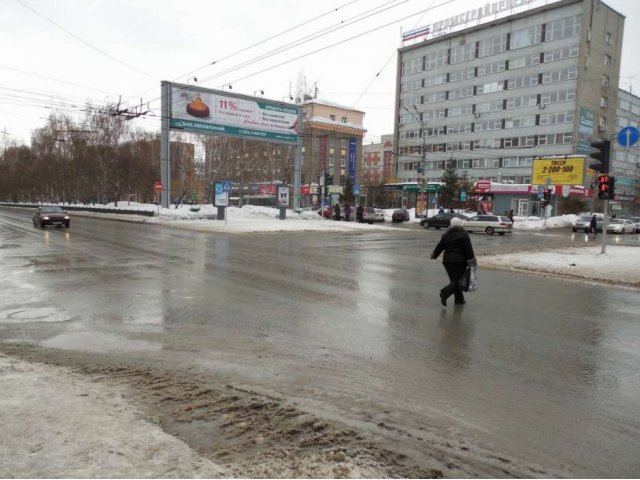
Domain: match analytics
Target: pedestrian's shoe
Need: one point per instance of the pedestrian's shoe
(443, 299)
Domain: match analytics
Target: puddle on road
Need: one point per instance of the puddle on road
(96, 342)
(39, 314)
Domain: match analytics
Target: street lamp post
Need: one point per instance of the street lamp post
(423, 150)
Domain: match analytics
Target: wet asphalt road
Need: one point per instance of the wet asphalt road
(540, 369)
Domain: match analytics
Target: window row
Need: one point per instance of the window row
(520, 101)
(528, 141)
(472, 163)
(525, 81)
(525, 37)
(491, 68)
(489, 125)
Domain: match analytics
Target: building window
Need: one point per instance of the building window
(603, 102)
(331, 142)
(331, 160)
(605, 80)
(526, 37)
(608, 38)
(563, 28)
(607, 60)
(344, 143)
(344, 119)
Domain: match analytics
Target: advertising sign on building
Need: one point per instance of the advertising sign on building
(219, 112)
(558, 170)
(352, 160)
(585, 131)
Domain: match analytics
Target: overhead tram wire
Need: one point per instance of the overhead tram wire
(336, 43)
(305, 39)
(385, 64)
(248, 47)
(326, 47)
(111, 57)
(311, 37)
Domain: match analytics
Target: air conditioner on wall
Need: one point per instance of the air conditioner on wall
(602, 128)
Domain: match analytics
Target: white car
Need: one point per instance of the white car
(489, 224)
(373, 215)
(621, 225)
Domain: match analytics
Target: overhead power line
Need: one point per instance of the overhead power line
(73, 35)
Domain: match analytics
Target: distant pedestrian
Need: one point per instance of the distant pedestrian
(510, 215)
(458, 253)
(451, 210)
(347, 212)
(336, 212)
(594, 225)
(441, 210)
(360, 213)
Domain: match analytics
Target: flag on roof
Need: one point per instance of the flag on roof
(416, 33)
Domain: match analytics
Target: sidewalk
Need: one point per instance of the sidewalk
(58, 424)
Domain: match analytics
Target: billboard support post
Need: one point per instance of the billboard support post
(297, 165)
(165, 168)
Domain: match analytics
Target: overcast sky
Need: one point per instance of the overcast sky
(57, 55)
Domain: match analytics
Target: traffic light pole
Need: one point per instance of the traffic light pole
(603, 249)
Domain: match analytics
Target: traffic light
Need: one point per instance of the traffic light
(601, 156)
(328, 179)
(603, 187)
(612, 187)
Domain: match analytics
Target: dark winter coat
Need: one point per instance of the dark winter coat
(456, 244)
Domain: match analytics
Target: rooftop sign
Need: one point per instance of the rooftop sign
(462, 19)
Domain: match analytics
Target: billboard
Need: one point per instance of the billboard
(558, 170)
(219, 112)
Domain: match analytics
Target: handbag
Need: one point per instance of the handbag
(469, 280)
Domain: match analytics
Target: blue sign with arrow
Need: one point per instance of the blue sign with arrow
(628, 136)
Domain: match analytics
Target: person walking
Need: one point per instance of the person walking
(360, 213)
(336, 212)
(594, 225)
(347, 212)
(510, 215)
(458, 253)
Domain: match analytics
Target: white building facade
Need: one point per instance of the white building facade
(486, 100)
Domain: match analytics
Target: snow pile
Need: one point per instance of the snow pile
(537, 223)
(620, 264)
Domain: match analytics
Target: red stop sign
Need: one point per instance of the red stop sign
(157, 186)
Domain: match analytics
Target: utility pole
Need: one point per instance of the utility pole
(423, 149)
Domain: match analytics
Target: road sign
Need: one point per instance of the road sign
(157, 186)
(628, 136)
(356, 189)
(223, 186)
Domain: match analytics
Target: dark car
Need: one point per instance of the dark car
(400, 215)
(51, 216)
(441, 220)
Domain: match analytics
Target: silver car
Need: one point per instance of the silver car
(621, 225)
(583, 223)
(489, 224)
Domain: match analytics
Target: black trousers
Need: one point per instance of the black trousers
(455, 272)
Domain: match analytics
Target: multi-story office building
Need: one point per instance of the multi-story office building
(377, 162)
(488, 99)
(332, 142)
(625, 163)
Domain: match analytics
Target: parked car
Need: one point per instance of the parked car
(489, 223)
(636, 221)
(583, 223)
(51, 216)
(373, 215)
(400, 215)
(326, 212)
(621, 225)
(441, 220)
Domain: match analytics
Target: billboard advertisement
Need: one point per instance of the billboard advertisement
(585, 131)
(352, 160)
(219, 112)
(558, 170)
